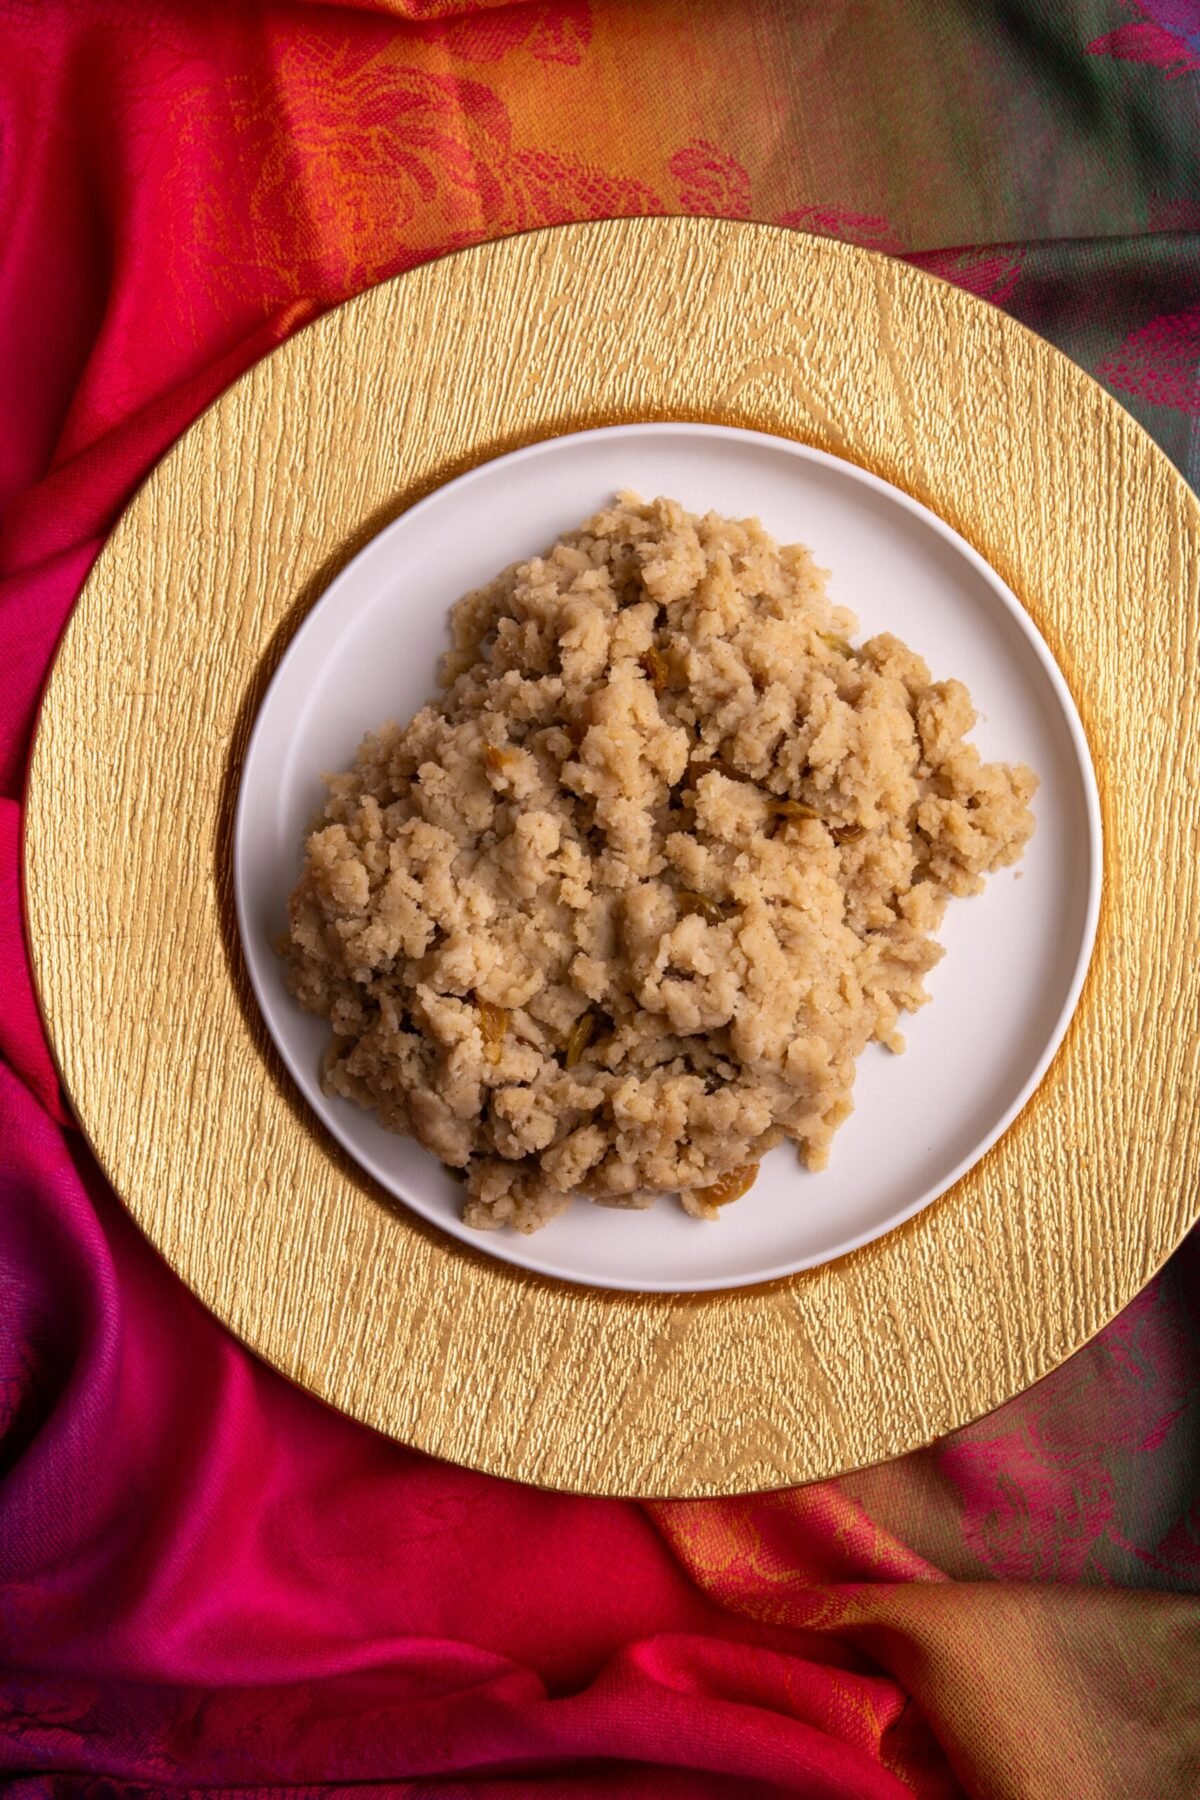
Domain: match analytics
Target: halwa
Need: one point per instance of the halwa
(618, 912)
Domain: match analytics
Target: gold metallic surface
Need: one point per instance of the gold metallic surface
(135, 771)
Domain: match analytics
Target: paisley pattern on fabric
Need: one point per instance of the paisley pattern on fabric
(1164, 32)
(1160, 361)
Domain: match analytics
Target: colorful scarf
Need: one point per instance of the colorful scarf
(210, 1583)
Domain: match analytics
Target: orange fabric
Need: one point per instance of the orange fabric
(1025, 1688)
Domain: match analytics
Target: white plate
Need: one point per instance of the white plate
(1016, 956)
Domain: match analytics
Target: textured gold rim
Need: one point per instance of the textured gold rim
(128, 857)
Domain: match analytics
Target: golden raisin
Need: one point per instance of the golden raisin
(836, 643)
(493, 1024)
(580, 1036)
(729, 1186)
(794, 809)
(690, 902)
(496, 760)
(848, 834)
(655, 665)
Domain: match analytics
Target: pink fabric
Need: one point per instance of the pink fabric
(225, 1543)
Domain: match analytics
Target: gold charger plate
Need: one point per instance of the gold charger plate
(135, 771)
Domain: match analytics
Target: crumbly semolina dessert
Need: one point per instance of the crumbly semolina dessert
(618, 911)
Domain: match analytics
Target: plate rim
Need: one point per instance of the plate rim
(1089, 1274)
(509, 1247)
